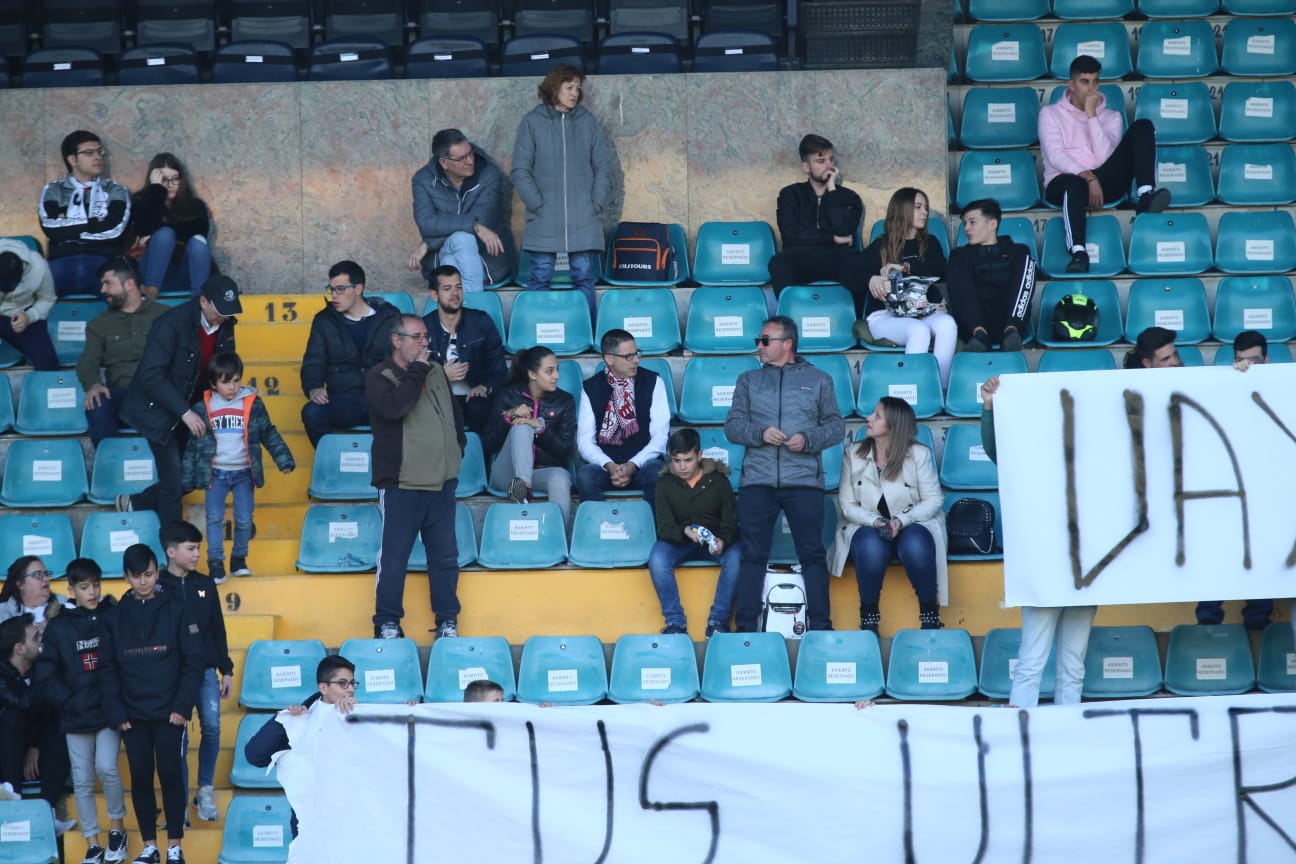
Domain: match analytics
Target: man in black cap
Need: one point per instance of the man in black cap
(169, 379)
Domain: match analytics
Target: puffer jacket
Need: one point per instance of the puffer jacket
(65, 675)
(555, 445)
(562, 170)
(440, 209)
(331, 359)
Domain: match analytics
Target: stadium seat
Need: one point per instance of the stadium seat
(6, 405)
(1105, 41)
(46, 535)
(716, 446)
(1177, 304)
(608, 534)
(724, 320)
(1258, 111)
(287, 21)
(545, 17)
(1169, 244)
(1257, 174)
(735, 51)
(830, 460)
(523, 537)
(649, 314)
(51, 403)
(1122, 663)
(562, 670)
(472, 470)
(475, 19)
(1181, 112)
(1276, 668)
(637, 17)
(121, 465)
(1101, 291)
(1253, 241)
(36, 844)
(639, 53)
(535, 54)
(1178, 8)
(783, 546)
(760, 16)
(76, 23)
(350, 58)
(1209, 660)
(63, 67)
(1190, 356)
(999, 652)
(158, 64)
(446, 56)
(995, 553)
(931, 665)
(1007, 11)
(340, 538)
(657, 667)
(707, 390)
(1185, 170)
(559, 320)
(254, 61)
(400, 299)
(453, 663)
(44, 472)
(1263, 303)
(1278, 352)
(1005, 52)
(571, 378)
(387, 670)
(1000, 118)
(243, 774)
(1088, 10)
(1259, 47)
(341, 469)
(679, 248)
(1177, 49)
(969, 371)
(258, 829)
(382, 19)
(1019, 228)
(1008, 176)
(838, 366)
(964, 463)
(733, 253)
(465, 540)
(280, 672)
(824, 315)
(1102, 239)
(1260, 7)
(182, 22)
(746, 667)
(838, 666)
(914, 378)
(105, 536)
(484, 301)
(1076, 360)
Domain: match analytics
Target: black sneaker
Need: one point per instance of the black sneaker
(149, 855)
(388, 630)
(1011, 340)
(672, 629)
(1153, 201)
(871, 621)
(518, 492)
(116, 851)
(216, 570)
(1079, 262)
(714, 627)
(238, 566)
(979, 343)
(175, 855)
(448, 629)
(94, 855)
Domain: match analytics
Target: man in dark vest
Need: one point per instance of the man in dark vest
(623, 425)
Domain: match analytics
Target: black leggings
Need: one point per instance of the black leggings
(150, 743)
(1133, 159)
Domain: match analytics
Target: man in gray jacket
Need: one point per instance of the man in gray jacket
(458, 208)
(785, 413)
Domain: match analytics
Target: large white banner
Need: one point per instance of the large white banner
(1166, 780)
(1149, 485)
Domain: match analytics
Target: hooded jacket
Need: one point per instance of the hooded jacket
(440, 209)
(710, 503)
(65, 676)
(151, 659)
(1071, 142)
(202, 606)
(34, 294)
(258, 431)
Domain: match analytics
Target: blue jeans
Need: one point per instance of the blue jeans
(916, 550)
(76, 274)
(666, 556)
(593, 481)
(460, 250)
(224, 482)
(209, 723)
(189, 274)
(406, 514)
(34, 341)
(582, 274)
(758, 511)
(104, 420)
(1255, 614)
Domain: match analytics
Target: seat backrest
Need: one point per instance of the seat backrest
(472, 470)
(1102, 240)
(350, 58)
(639, 53)
(44, 472)
(1178, 8)
(1177, 49)
(724, 320)
(1185, 170)
(838, 368)
(838, 666)
(964, 463)
(276, 20)
(1261, 303)
(186, 22)
(648, 314)
(1105, 41)
(1103, 294)
(340, 538)
(46, 535)
(51, 403)
(1008, 176)
(121, 465)
(733, 253)
(67, 322)
(607, 534)
(105, 536)
(746, 667)
(669, 18)
(253, 61)
(243, 774)
(1181, 112)
(1259, 47)
(1276, 667)
(382, 19)
(824, 315)
(453, 663)
(1007, 11)
(999, 652)
(1085, 10)
(63, 67)
(523, 536)
(1005, 52)
(36, 843)
(1122, 662)
(1257, 174)
(562, 670)
(280, 672)
(735, 51)
(93, 24)
(1258, 111)
(914, 378)
(387, 670)
(478, 19)
(997, 118)
(1256, 242)
(1170, 244)
(1076, 360)
(258, 829)
(1176, 304)
(931, 665)
(707, 391)
(716, 446)
(545, 17)
(1210, 659)
(559, 320)
(158, 64)
(537, 53)
(447, 57)
(1260, 7)
(341, 469)
(969, 371)
(659, 667)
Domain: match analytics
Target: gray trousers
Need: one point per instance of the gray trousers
(91, 754)
(517, 459)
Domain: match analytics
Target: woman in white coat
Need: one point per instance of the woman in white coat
(890, 502)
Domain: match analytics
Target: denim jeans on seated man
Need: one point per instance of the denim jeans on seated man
(593, 482)
(666, 556)
(460, 250)
(76, 274)
(582, 274)
(343, 411)
(103, 419)
(188, 274)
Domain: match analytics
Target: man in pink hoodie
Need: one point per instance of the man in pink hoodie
(1087, 162)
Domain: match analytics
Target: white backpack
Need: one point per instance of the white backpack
(784, 608)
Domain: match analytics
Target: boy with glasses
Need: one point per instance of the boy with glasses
(84, 215)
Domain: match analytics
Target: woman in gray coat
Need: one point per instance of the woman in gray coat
(562, 170)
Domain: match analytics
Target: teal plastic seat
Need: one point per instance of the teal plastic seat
(679, 246)
(258, 829)
(1257, 174)
(401, 300)
(1257, 111)
(387, 670)
(649, 314)
(931, 665)
(838, 366)
(36, 845)
(995, 553)
(608, 534)
(1086, 10)
(1076, 360)
(472, 469)
(746, 667)
(280, 672)
(707, 391)
(969, 371)
(914, 378)
(999, 652)
(1018, 228)
(244, 774)
(1185, 170)
(571, 378)
(831, 460)
(1278, 352)
(44, 472)
(1170, 244)
(66, 323)
(724, 320)
(1177, 49)
(562, 670)
(6, 401)
(1252, 241)
(523, 537)
(340, 538)
(453, 663)
(964, 463)
(1209, 660)
(1176, 304)
(1261, 303)
(1178, 8)
(1181, 112)
(51, 403)
(733, 253)
(659, 667)
(561, 274)
(1276, 669)
(997, 118)
(1122, 663)
(121, 466)
(1008, 176)
(716, 446)
(1190, 355)
(1259, 47)
(838, 666)
(559, 320)
(1007, 11)
(824, 315)
(106, 535)
(483, 301)
(46, 535)
(1101, 291)
(1005, 52)
(1260, 7)
(782, 545)
(1105, 41)
(1102, 239)
(341, 470)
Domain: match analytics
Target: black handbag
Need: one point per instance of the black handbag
(970, 526)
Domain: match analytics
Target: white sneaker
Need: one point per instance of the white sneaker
(206, 804)
(116, 851)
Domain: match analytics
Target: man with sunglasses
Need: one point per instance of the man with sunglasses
(84, 216)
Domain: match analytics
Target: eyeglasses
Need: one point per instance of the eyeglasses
(43, 575)
(766, 340)
(335, 290)
(633, 355)
(417, 337)
(346, 683)
(97, 151)
(462, 158)
(171, 181)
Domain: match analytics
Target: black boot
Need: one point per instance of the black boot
(870, 617)
(929, 615)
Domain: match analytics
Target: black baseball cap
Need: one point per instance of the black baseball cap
(223, 293)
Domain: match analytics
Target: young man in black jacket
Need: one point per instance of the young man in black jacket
(19, 648)
(989, 282)
(467, 345)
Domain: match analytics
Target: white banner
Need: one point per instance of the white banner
(1165, 780)
(1147, 486)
